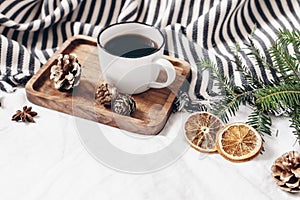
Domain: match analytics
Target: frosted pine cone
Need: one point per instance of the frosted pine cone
(66, 73)
(123, 104)
(286, 171)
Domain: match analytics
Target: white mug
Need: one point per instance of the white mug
(138, 74)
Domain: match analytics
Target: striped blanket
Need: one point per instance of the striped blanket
(32, 30)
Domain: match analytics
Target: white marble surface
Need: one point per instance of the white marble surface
(47, 161)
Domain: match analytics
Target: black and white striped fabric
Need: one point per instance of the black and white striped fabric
(32, 30)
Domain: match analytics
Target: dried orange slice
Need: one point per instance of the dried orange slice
(201, 130)
(239, 142)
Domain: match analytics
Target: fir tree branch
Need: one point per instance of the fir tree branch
(223, 84)
(265, 98)
(295, 122)
(252, 80)
(272, 98)
(261, 121)
(289, 37)
(285, 64)
(255, 52)
(233, 95)
(228, 105)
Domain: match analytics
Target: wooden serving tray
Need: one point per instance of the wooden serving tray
(153, 106)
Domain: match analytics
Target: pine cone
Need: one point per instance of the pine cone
(286, 171)
(123, 104)
(104, 94)
(66, 73)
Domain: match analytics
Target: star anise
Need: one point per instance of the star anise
(25, 116)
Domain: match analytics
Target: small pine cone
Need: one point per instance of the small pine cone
(104, 94)
(123, 104)
(286, 171)
(66, 73)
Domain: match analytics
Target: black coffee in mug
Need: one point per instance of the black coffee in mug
(131, 46)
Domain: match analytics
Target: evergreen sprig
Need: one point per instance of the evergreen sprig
(274, 97)
(224, 85)
(289, 37)
(261, 121)
(282, 93)
(285, 64)
(295, 122)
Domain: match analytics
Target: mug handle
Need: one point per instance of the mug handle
(171, 73)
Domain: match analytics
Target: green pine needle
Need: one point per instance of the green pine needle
(295, 122)
(289, 37)
(285, 64)
(223, 84)
(274, 97)
(261, 121)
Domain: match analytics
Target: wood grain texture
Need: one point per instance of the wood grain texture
(153, 106)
